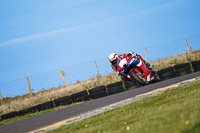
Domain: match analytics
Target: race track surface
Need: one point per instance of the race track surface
(33, 123)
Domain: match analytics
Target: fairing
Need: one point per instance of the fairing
(125, 66)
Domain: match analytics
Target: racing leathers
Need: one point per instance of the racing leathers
(133, 55)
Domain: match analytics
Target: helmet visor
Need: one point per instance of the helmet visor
(114, 62)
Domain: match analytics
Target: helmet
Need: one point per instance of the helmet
(113, 58)
(132, 54)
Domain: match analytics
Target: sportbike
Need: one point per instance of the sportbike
(136, 70)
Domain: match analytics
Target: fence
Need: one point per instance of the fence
(74, 73)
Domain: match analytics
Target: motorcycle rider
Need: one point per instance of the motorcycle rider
(114, 59)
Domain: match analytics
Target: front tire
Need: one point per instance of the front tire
(138, 79)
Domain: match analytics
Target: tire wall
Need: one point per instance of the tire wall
(115, 88)
(102, 91)
(196, 65)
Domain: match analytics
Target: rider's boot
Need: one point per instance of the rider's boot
(153, 72)
(150, 67)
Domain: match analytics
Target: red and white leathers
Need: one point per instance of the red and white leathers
(113, 57)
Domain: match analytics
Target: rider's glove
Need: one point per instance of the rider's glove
(122, 77)
(118, 73)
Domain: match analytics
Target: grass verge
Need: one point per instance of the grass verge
(174, 111)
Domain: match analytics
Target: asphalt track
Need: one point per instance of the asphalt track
(36, 122)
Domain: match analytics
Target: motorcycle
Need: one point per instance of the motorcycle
(136, 70)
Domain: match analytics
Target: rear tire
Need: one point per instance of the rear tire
(138, 79)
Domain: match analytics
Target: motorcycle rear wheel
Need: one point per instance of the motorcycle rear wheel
(138, 79)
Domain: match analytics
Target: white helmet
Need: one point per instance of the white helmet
(132, 54)
(113, 58)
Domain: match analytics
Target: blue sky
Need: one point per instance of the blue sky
(38, 36)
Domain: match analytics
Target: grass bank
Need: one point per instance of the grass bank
(21, 102)
(177, 59)
(174, 111)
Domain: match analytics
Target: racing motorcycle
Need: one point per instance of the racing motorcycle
(136, 70)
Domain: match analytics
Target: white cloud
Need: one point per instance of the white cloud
(36, 36)
(53, 32)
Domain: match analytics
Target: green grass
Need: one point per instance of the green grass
(174, 111)
(34, 114)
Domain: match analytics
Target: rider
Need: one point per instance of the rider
(114, 59)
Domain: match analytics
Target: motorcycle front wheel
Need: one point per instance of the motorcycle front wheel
(138, 78)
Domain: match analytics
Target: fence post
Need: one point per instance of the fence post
(187, 45)
(29, 86)
(97, 68)
(0, 96)
(147, 55)
(62, 74)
